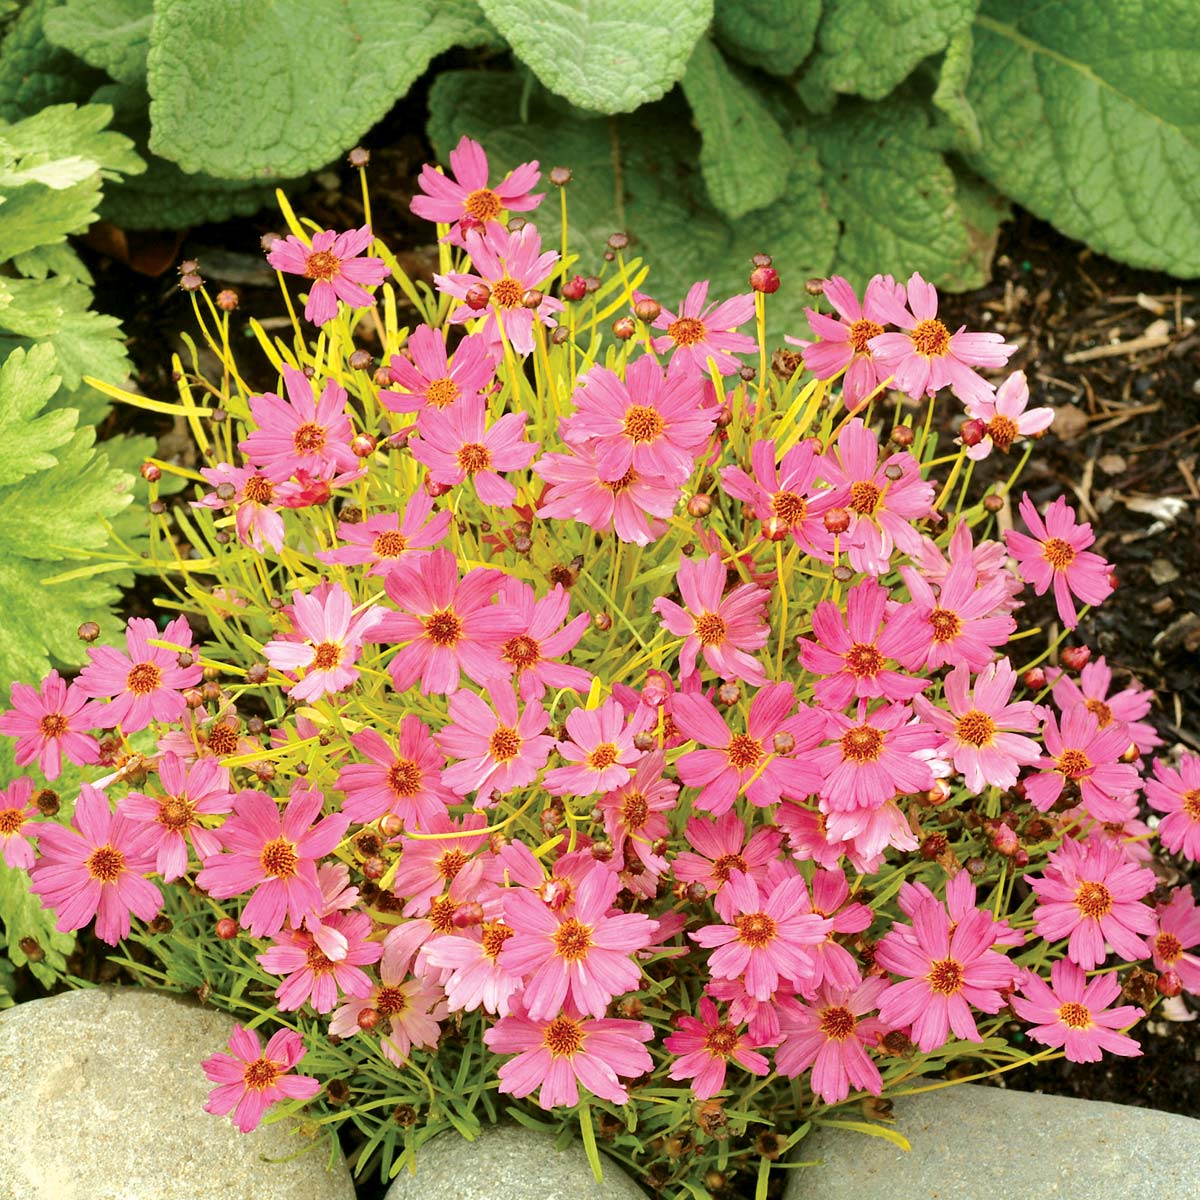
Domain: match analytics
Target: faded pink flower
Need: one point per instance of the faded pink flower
(530, 655)
(334, 265)
(49, 725)
(705, 1046)
(720, 847)
(1005, 417)
(17, 813)
(635, 813)
(429, 381)
(475, 977)
(412, 1009)
(405, 781)
(1178, 932)
(385, 539)
(252, 493)
(250, 1079)
(311, 977)
(1125, 707)
(599, 746)
(1177, 794)
(701, 331)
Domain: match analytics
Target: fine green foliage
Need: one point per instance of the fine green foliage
(28, 435)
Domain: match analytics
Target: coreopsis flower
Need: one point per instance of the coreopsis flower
(1006, 417)
(405, 780)
(49, 725)
(447, 625)
(164, 823)
(275, 856)
(726, 629)
(429, 866)
(335, 264)
(145, 684)
(1125, 707)
(300, 435)
(582, 958)
(466, 201)
(1177, 794)
(458, 444)
(701, 331)
(510, 265)
(831, 1033)
(328, 637)
(720, 847)
(960, 901)
(1178, 931)
(981, 729)
(927, 356)
(557, 1054)
(252, 493)
(412, 1008)
(17, 813)
(634, 813)
(209, 735)
(249, 1080)
(386, 539)
(312, 978)
(530, 655)
(1072, 1013)
(833, 964)
(705, 1046)
(94, 868)
(430, 382)
(474, 977)
(1057, 554)
(990, 560)
(1092, 894)
(337, 895)
(599, 746)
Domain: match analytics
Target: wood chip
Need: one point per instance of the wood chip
(1112, 464)
(1070, 422)
(1133, 346)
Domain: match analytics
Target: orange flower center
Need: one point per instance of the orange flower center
(522, 651)
(494, 935)
(863, 660)
(945, 976)
(710, 629)
(389, 544)
(390, 1001)
(837, 1023)
(861, 332)
(617, 486)
(105, 863)
(309, 438)
(441, 914)
(1074, 764)
(279, 858)
(145, 678)
(573, 940)
(449, 865)
(326, 656)
(634, 811)
(721, 1040)
(1100, 711)
(472, 457)
(261, 1074)
(1093, 900)
(404, 778)
(1191, 803)
(862, 744)
(1075, 1015)
(222, 739)
(563, 1037)
(441, 392)
(947, 625)
(507, 292)
(1168, 947)
(789, 508)
(975, 728)
(504, 744)
(315, 960)
(931, 338)
(744, 751)
(11, 820)
(864, 496)
(258, 489)
(686, 331)
(53, 725)
(322, 265)
(1059, 554)
(603, 756)
(176, 812)
(483, 204)
(756, 929)
(726, 863)
(643, 424)
(1003, 431)
(443, 628)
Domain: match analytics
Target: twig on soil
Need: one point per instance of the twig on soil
(1133, 346)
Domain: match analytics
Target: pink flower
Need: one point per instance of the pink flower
(300, 435)
(1057, 554)
(275, 856)
(1005, 417)
(476, 979)
(699, 333)
(17, 811)
(634, 813)
(723, 627)
(332, 641)
(253, 493)
(600, 746)
(428, 379)
(466, 201)
(510, 264)
(980, 728)
(457, 445)
(583, 959)
(530, 654)
(94, 869)
(928, 357)
(1126, 707)
(334, 265)
(145, 684)
(833, 963)
(1092, 894)
(721, 847)
(705, 1046)
(845, 344)
(767, 938)
(449, 626)
(49, 725)
(405, 781)
(385, 540)
(1178, 931)
(430, 865)
(412, 1009)
(1074, 1014)
(1177, 793)
(562, 1052)
(831, 1034)
(250, 1080)
(313, 978)
(164, 823)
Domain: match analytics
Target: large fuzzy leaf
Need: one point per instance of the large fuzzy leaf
(775, 35)
(28, 435)
(112, 35)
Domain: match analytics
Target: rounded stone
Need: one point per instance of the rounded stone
(103, 1099)
(509, 1162)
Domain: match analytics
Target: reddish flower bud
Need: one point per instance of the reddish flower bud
(700, 505)
(972, 432)
(624, 328)
(842, 573)
(647, 310)
(532, 298)
(783, 743)
(361, 360)
(902, 436)
(89, 631)
(575, 288)
(257, 673)
(363, 445)
(1169, 984)
(815, 287)
(603, 621)
(1020, 860)
(434, 490)
(993, 502)
(1075, 658)
(374, 868)
(618, 241)
(1004, 841)
(469, 913)
(192, 698)
(836, 520)
(643, 741)
(1034, 679)
(390, 825)
(765, 280)
(368, 1018)
(227, 929)
(191, 282)
(478, 296)
(227, 299)
(774, 529)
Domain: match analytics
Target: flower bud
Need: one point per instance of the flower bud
(842, 573)
(774, 529)
(783, 743)
(374, 868)
(700, 505)
(575, 288)
(729, 694)
(434, 490)
(1020, 860)
(618, 241)
(89, 631)
(603, 621)
(976, 866)
(32, 949)
(894, 471)
(972, 431)
(560, 176)
(993, 502)
(836, 520)
(1169, 984)
(390, 825)
(560, 335)
(363, 445)
(516, 223)
(467, 914)
(761, 260)
(1075, 658)
(747, 373)
(268, 240)
(478, 296)
(532, 298)
(361, 360)
(647, 310)
(191, 282)
(368, 1018)
(902, 436)
(697, 893)
(815, 287)
(157, 507)
(602, 850)
(192, 698)
(624, 328)
(1004, 841)
(643, 741)
(1034, 679)
(358, 157)
(765, 280)
(227, 929)
(227, 299)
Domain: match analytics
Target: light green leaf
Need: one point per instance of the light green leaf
(34, 73)
(879, 1131)
(283, 88)
(72, 132)
(27, 382)
(775, 35)
(58, 259)
(1090, 116)
(951, 94)
(112, 35)
(745, 156)
(606, 55)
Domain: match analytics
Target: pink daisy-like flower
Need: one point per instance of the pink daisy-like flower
(49, 725)
(767, 938)
(300, 435)
(411, 1009)
(332, 635)
(164, 823)
(1092, 895)
(1072, 1013)
(429, 866)
(928, 357)
(405, 781)
(705, 1046)
(530, 654)
(831, 1034)
(1126, 707)
(582, 958)
(1006, 417)
(1177, 794)
(466, 201)
(834, 964)
(94, 869)
(274, 855)
(250, 1079)
(476, 979)
(559, 1053)
(725, 628)
(252, 493)
(458, 444)
(599, 745)
(960, 902)
(447, 625)
(385, 539)
(310, 977)
(510, 265)
(1058, 554)
(1178, 932)
(17, 811)
(429, 380)
(701, 331)
(209, 735)
(146, 683)
(720, 847)
(980, 730)
(634, 813)
(334, 265)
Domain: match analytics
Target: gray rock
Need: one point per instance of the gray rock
(970, 1142)
(509, 1162)
(101, 1098)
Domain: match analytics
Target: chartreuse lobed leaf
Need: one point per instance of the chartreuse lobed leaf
(28, 435)
(1090, 118)
(111, 35)
(611, 56)
(775, 35)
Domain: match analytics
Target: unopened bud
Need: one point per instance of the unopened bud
(1034, 679)
(842, 573)
(902, 436)
(993, 502)
(193, 698)
(191, 282)
(1004, 841)
(257, 673)
(89, 631)
(1075, 658)
(477, 297)
(575, 288)
(894, 471)
(1169, 984)
(976, 866)
(618, 241)
(151, 473)
(939, 793)
(374, 867)
(359, 157)
(603, 621)
(227, 929)
(972, 431)
(368, 1018)
(624, 328)
(647, 310)
(434, 490)
(560, 176)
(516, 223)
(363, 445)
(361, 360)
(227, 299)
(532, 298)
(783, 743)
(643, 741)
(699, 505)
(467, 914)
(815, 287)
(836, 520)
(765, 280)
(729, 694)
(32, 949)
